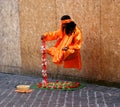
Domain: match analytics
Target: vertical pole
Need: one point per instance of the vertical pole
(44, 63)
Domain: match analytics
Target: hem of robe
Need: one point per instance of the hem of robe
(71, 60)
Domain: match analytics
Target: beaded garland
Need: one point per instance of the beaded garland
(44, 63)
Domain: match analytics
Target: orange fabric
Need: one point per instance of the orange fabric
(73, 61)
(71, 57)
(66, 21)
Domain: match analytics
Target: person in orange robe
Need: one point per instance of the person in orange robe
(67, 47)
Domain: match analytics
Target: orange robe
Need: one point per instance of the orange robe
(71, 57)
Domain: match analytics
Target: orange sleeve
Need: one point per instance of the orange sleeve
(51, 35)
(77, 40)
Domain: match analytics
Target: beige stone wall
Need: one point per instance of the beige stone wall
(10, 55)
(110, 40)
(35, 19)
(99, 21)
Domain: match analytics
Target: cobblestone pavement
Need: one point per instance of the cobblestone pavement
(89, 96)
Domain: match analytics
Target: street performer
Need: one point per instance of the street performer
(67, 48)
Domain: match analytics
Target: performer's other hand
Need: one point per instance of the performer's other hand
(65, 48)
(42, 37)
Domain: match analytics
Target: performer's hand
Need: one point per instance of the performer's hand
(42, 37)
(65, 48)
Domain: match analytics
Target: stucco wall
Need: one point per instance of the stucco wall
(10, 55)
(99, 21)
(36, 17)
(110, 40)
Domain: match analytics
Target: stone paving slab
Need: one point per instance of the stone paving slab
(89, 96)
